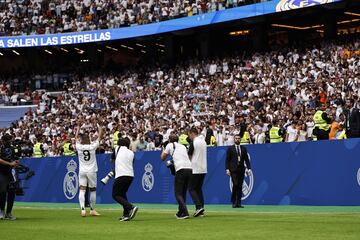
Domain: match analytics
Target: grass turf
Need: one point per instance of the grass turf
(156, 221)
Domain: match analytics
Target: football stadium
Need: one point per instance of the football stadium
(180, 119)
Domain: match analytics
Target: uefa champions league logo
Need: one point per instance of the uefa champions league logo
(247, 185)
(148, 178)
(71, 183)
(358, 176)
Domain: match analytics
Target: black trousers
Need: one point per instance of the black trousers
(182, 179)
(120, 188)
(195, 189)
(237, 178)
(7, 193)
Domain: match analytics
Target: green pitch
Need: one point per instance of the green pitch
(154, 221)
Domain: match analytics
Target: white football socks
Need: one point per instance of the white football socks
(92, 200)
(82, 199)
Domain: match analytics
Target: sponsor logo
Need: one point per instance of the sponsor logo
(71, 180)
(285, 5)
(247, 186)
(148, 178)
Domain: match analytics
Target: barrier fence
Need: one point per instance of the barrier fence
(305, 173)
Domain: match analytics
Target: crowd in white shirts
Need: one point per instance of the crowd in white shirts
(27, 17)
(224, 95)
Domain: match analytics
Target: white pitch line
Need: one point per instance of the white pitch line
(207, 211)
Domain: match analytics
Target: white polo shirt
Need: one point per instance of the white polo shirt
(179, 156)
(199, 156)
(124, 162)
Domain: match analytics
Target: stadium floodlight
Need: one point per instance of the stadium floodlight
(140, 45)
(296, 27)
(80, 51)
(63, 49)
(160, 45)
(99, 50)
(114, 49)
(349, 21)
(143, 51)
(124, 46)
(241, 32)
(49, 52)
(17, 53)
(353, 14)
(1, 54)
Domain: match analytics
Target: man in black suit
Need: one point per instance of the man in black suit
(236, 158)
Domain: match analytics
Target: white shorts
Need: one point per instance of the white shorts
(88, 179)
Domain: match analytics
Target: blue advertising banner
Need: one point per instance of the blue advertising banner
(160, 27)
(306, 173)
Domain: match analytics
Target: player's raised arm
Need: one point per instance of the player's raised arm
(77, 134)
(78, 130)
(100, 130)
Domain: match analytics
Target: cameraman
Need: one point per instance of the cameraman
(8, 154)
(183, 169)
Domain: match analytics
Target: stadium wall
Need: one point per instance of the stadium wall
(305, 173)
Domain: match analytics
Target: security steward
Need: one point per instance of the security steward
(322, 126)
(210, 138)
(8, 161)
(275, 133)
(183, 138)
(38, 150)
(116, 137)
(245, 138)
(244, 134)
(68, 149)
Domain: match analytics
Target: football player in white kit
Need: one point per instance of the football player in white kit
(87, 167)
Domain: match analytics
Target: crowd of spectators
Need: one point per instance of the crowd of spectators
(27, 17)
(219, 96)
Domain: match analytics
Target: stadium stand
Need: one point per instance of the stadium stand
(221, 94)
(11, 114)
(28, 17)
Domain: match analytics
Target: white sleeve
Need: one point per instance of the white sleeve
(95, 144)
(168, 149)
(78, 146)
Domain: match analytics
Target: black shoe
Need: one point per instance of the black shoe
(234, 206)
(239, 206)
(181, 216)
(199, 212)
(124, 219)
(133, 212)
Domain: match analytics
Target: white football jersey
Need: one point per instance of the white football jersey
(87, 156)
